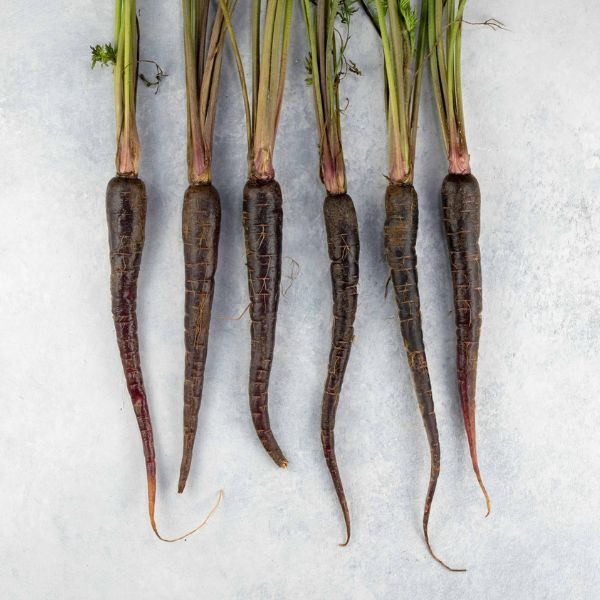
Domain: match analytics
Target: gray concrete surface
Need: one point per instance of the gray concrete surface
(71, 470)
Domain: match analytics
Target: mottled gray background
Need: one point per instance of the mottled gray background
(72, 480)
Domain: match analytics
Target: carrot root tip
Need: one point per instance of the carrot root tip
(189, 533)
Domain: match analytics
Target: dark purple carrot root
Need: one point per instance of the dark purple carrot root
(201, 222)
(400, 238)
(263, 221)
(126, 214)
(344, 249)
(461, 205)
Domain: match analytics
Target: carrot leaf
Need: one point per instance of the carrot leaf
(105, 54)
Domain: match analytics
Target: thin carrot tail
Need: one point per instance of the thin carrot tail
(328, 440)
(469, 419)
(433, 478)
(270, 444)
(151, 508)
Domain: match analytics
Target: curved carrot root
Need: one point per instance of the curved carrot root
(400, 238)
(328, 442)
(461, 205)
(201, 220)
(263, 220)
(344, 249)
(433, 477)
(151, 508)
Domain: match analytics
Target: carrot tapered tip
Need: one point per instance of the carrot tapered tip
(183, 477)
(433, 555)
(275, 452)
(347, 535)
(185, 535)
(488, 503)
(347, 523)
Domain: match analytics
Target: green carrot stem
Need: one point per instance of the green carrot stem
(396, 23)
(445, 41)
(269, 62)
(255, 53)
(287, 30)
(418, 80)
(203, 50)
(125, 77)
(242, 77)
(197, 168)
(326, 65)
(262, 151)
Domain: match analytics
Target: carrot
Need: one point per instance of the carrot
(404, 52)
(126, 216)
(344, 249)
(201, 214)
(263, 220)
(461, 204)
(200, 228)
(262, 209)
(327, 65)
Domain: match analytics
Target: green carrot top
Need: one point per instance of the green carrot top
(126, 49)
(327, 65)
(203, 48)
(269, 63)
(404, 50)
(123, 55)
(444, 37)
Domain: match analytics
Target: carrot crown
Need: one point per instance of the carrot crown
(125, 79)
(269, 63)
(444, 27)
(396, 22)
(203, 48)
(327, 65)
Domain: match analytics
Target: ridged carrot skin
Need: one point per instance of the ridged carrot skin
(126, 215)
(400, 239)
(461, 205)
(344, 249)
(263, 222)
(201, 223)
